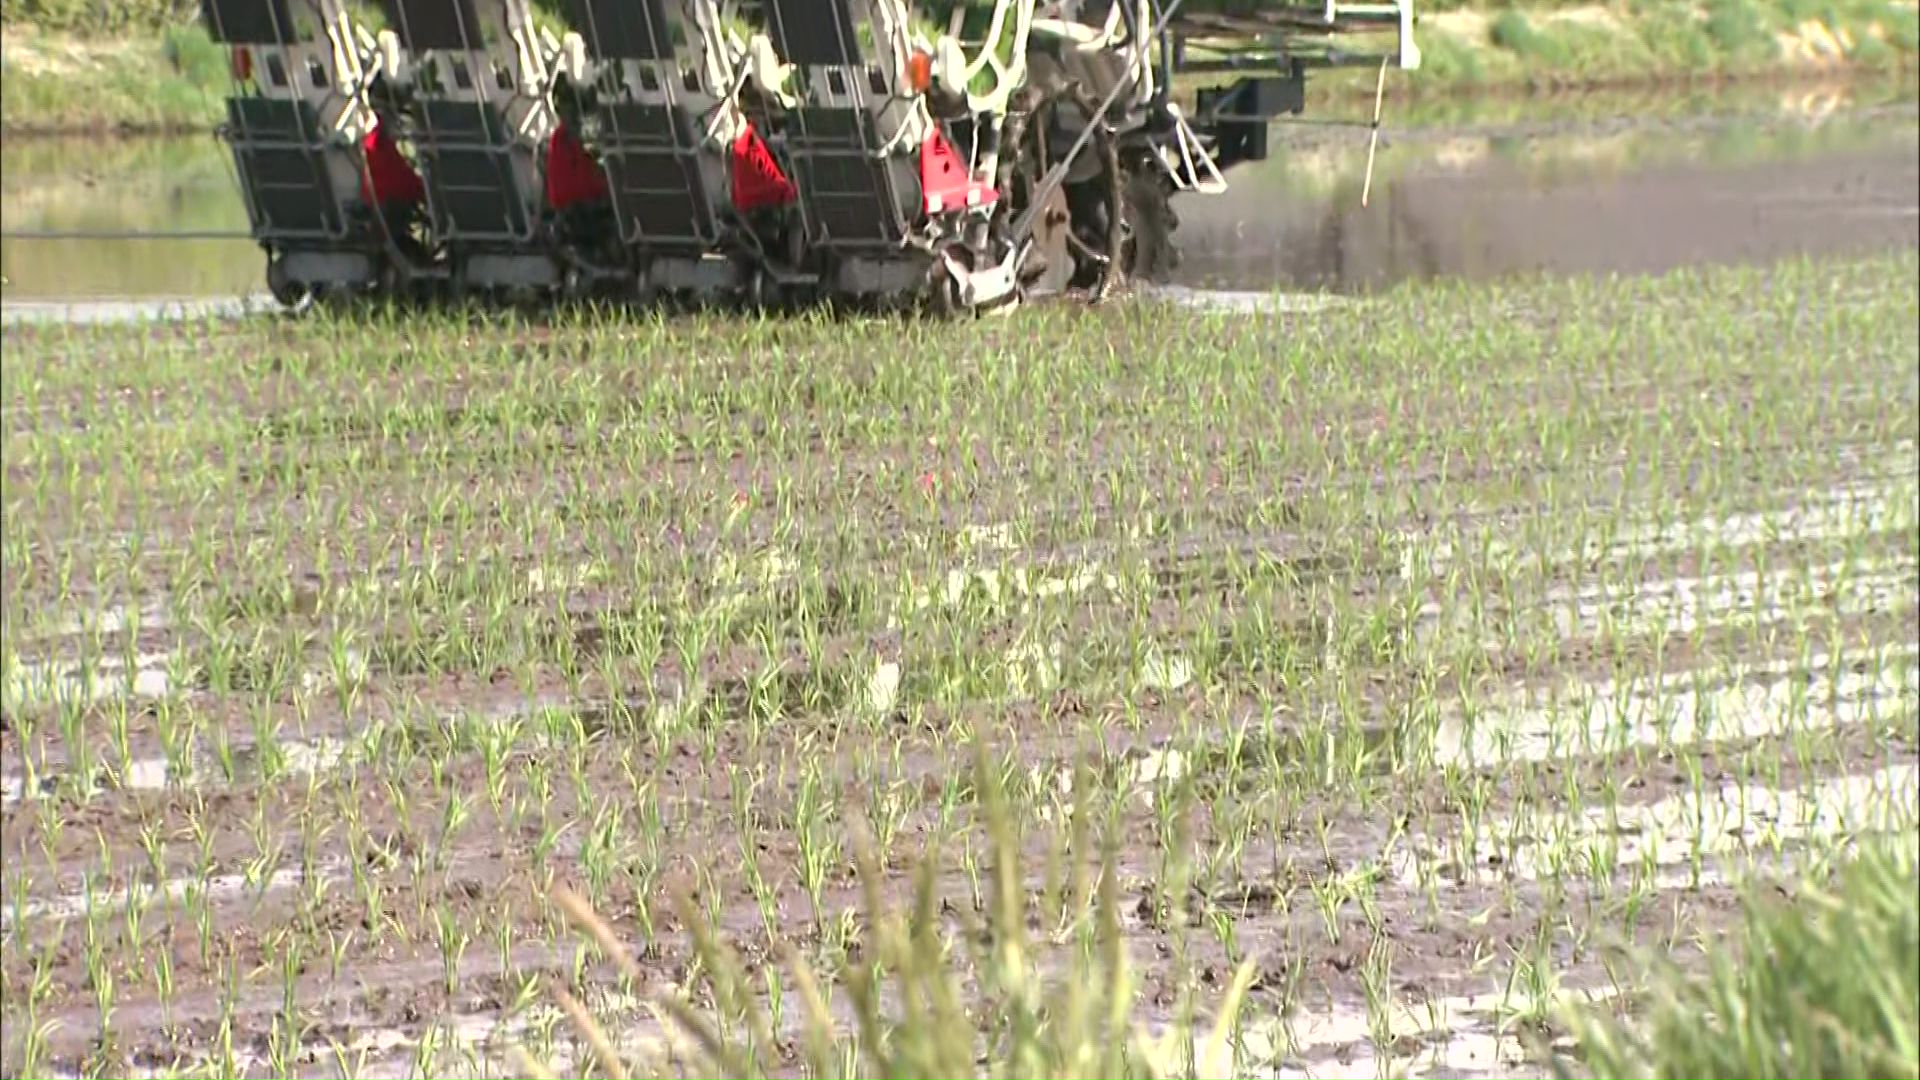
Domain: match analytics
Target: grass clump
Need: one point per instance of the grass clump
(977, 1002)
(1515, 32)
(195, 55)
(97, 16)
(1675, 40)
(1900, 24)
(173, 79)
(1738, 29)
(1827, 984)
(1446, 59)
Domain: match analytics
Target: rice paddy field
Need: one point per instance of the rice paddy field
(1376, 684)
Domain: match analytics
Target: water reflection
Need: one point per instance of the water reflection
(1600, 198)
(1515, 191)
(123, 186)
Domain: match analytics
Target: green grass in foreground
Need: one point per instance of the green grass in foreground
(1082, 1020)
(1824, 984)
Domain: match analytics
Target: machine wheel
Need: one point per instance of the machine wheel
(1149, 220)
(293, 295)
(1050, 265)
(943, 292)
(458, 293)
(645, 293)
(1079, 238)
(391, 286)
(760, 291)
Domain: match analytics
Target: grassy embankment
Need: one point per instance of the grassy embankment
(142, 64)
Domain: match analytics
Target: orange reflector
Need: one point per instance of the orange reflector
(242, 63)
(919, 71)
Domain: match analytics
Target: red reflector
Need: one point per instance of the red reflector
(945, 183)
(757, 179)
(572, 175)
(241, 62)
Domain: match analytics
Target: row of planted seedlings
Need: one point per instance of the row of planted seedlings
(1234, 640)
(263, 633)
(1360, 749)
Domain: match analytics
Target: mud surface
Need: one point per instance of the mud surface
(366, 665)
(1425, 674)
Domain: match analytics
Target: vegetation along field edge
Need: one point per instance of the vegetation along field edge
(145, 66)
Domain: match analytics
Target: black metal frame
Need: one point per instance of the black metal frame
(475, 199)
(849, 197)
(650, 152)
(278, 144)
(1287, 41)
(1237, 116)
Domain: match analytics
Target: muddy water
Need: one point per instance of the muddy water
(105, 189)
(1610, 190)
(1592, 197)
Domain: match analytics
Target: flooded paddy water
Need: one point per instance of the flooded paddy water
(1602, 183)
(100, 194)
(1424, 674)
(1797, 175)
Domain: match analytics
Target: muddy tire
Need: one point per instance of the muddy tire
(457, 291)
(392, 286)
(646, 295)
(1050, 266)
(293, 295)
(760, 291)
(942, 292)
(1150, 221)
